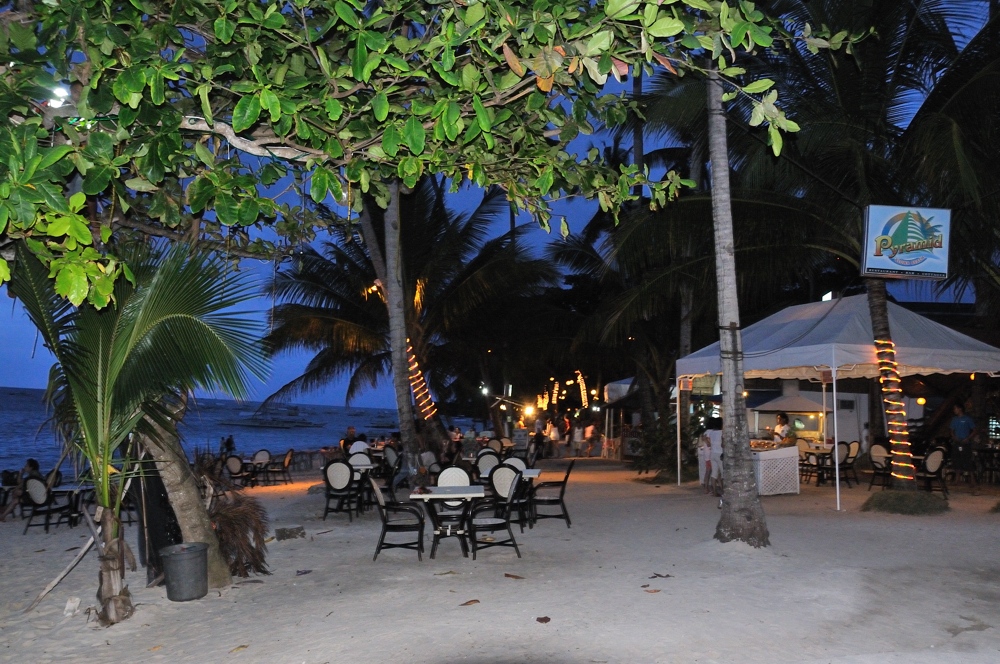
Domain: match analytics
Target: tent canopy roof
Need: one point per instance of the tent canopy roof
(791, 404)
(803, 341)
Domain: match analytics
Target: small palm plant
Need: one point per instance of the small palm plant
(170, 329)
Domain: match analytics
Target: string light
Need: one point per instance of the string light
(892, 396)
(583, 389)
(422, 395)
(555, 393)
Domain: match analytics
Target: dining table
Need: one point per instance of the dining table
(450, 523)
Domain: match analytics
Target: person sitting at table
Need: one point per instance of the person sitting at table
(349, 438)
(30, 471)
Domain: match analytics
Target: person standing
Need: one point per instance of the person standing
(576, 441)
(963, 431)
(590, 436)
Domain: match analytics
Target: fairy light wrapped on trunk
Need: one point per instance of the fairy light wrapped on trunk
(421, 395)
(895, 410)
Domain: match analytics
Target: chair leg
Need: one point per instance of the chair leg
(378, 547)
(512, 540)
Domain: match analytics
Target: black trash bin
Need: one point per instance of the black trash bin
(185, 571)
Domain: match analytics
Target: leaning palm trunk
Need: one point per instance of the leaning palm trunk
(185, 498)
(742, 514)
(395, 299)
(903, 469)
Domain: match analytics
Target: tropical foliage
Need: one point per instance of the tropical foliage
(173, 331)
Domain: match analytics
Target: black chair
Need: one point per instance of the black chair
(853, 449)
(827, 467)
(881, 467)
(262, 466)
(39, 501)
(485, 463)
(238, 473)
(552, 494)
(279, 470)
(398, 518)
(932, 470)
(491, 516)
(342, 490)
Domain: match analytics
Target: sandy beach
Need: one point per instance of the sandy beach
(638, 578)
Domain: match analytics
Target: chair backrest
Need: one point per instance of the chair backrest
(878, 451)
(427, 459)
(495, 445)
(359, 459)
(262, 456)
(37, 491)
(516, 463)
(54, 481)
(842, 450)
(501, 478)
(486, 462)
(933, 461)
(484, 450)
(532, 456)
(453, 476)
(852, 450)
(338, 475)
(803, 446)
(390, 455)
(377, 490)
(569, 469)
(506, 442)
(234, 465)
(289, 455)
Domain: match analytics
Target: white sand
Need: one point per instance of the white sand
(833, 587)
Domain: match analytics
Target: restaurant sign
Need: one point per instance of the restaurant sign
(906, 242)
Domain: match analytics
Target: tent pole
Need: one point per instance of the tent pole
(823, 383)
(677, 426)
(836, 433)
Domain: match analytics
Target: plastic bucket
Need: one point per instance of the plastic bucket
(185, 571)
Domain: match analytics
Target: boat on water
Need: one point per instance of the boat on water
(274, 417)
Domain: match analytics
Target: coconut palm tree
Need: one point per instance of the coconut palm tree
(455, 281)
(170, 330)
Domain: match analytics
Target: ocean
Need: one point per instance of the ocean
(24, 429)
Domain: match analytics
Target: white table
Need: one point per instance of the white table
(531, 473)
(451, 525)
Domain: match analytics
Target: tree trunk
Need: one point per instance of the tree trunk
(395, 300)
(183, 491)
(903, 468)
(742, 514)
(113, 596)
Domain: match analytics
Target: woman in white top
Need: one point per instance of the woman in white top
(782, 429)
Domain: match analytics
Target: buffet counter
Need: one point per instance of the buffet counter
(777, 468)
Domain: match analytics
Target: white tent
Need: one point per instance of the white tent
(835, 336)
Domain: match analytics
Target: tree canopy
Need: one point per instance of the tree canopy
(187, 118)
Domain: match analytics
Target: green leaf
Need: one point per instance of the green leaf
(71, 283)
(346, 14)
(156, 91)
(739, 33)
(246, 113)
(563, 227)
(224, 29)
(391, 138)
(270, 101)
(334, 109)
(248, 212)
(51, 155)
(758, 86)
(414, 135)
(544, 183)
(599, 43)
(141, 184)
(97, 179)
(204, 154)
(775, 139)
(226, 210)
(666, 27)
(619, 8)
(359, 59)
(761, 36)
(4, 271)
(319, 185)
(482, 116)
(475, 13)
(448, 58)
(380, 106)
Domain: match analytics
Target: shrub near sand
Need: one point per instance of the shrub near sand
(905, 502)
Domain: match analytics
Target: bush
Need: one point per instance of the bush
(905, 502)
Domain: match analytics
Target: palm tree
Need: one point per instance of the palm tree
(454, 279)
(170, 331)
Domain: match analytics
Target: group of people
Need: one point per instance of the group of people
(565, 437)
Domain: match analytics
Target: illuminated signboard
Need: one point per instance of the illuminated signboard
(906, 242)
